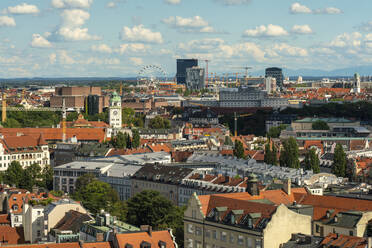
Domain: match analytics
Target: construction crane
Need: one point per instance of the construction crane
(236, 122)
(246, 68)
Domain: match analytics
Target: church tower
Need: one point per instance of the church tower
(115, 114)
(356, 83)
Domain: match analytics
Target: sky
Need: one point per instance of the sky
(117, 38)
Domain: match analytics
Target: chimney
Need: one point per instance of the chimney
(146, 228)
(287, 186)
(252, 185)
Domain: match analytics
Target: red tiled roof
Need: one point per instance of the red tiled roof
(48, 245)
(4, 219)
(159, 147)
(11, 235)
(135, 239)
(335, 240)
(52, 134)
(97, 245)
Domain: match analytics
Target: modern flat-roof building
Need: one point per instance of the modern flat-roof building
(276, 73)
(182, 65)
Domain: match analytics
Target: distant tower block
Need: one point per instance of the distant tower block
(356, 83)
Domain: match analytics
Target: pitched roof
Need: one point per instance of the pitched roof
(11, 235)
(97, 245)
(72, 221)
(48, 245)
(335, 240)
(135, 239)
(53, 134)
(4, 219)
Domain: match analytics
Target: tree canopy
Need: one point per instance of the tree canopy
(274, 132)
(159, 123)
(320, 125)
(136, 140)
(312, 161)
(289, 154)
(339, 161)
(238, 149)
(270, 154)
(151, 208)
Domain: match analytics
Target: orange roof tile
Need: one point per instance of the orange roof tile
(11, 235)
(135, 239)
(97, 245)
(48, 245)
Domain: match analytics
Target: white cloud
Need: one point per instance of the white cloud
(301, 29)
(81, 4)
(72, 20)
(328, 10)
(265, 31)
(192, 24)
(141, 34)
(65, 59)
(100, 61)
(21, 9)
(297, 8)
(6, 21)
(132, 47)
(346, 39)
(233, 2)
(52, 58)
(40, 42)
(102, 48)
(136, 61)
(172, 2)
(286, 50)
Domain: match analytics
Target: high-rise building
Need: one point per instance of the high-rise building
(276, 73)
(270, 85)
(93, 103)
(195, 78)
(182, 65)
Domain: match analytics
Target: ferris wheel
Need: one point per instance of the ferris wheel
(151, 76)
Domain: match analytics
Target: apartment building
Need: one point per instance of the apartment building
(25, 149)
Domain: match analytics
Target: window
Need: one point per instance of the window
(207, 233)
(223, 236)
(190, 243)
(38, 233)
(351, 233)
(240, 240)
(258, 243)
(38, 212)
(214, 233)
(190, 228)
(198, 244)
(232, 238)
(249, 242)
(317, 228)
(198, 231)
(194, 214)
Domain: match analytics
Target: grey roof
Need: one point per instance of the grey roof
(345, 219)
(138, 159)
(163, 173)
(122, 170)
(328, 120)
(87, 165)
(304, 241)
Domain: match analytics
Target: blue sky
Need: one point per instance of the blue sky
(53, 38)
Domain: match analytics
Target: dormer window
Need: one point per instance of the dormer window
(145, 244)
(250, 222)
(128, 246)
(162, 244)
(15, 207)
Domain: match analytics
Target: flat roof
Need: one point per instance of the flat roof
(328, 120)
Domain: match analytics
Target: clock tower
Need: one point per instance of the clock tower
(115, 111)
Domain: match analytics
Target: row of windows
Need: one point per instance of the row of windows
(5, 157)
(223, 236)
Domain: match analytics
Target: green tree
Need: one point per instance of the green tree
(14, 175)
(270, 154)
(47, 177)
(274, 132)
(128, 116)
(72, 116)
(289, 154)
(339, 162)
(32, 177)
(82, 182)
(151, 208)
(312, 161)
(97, 195)
(238, 149)
(136, 140)
(120, 141)
(12, 123)
(228, 141)
(319, 125)
(129, 141)
(159, 123)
